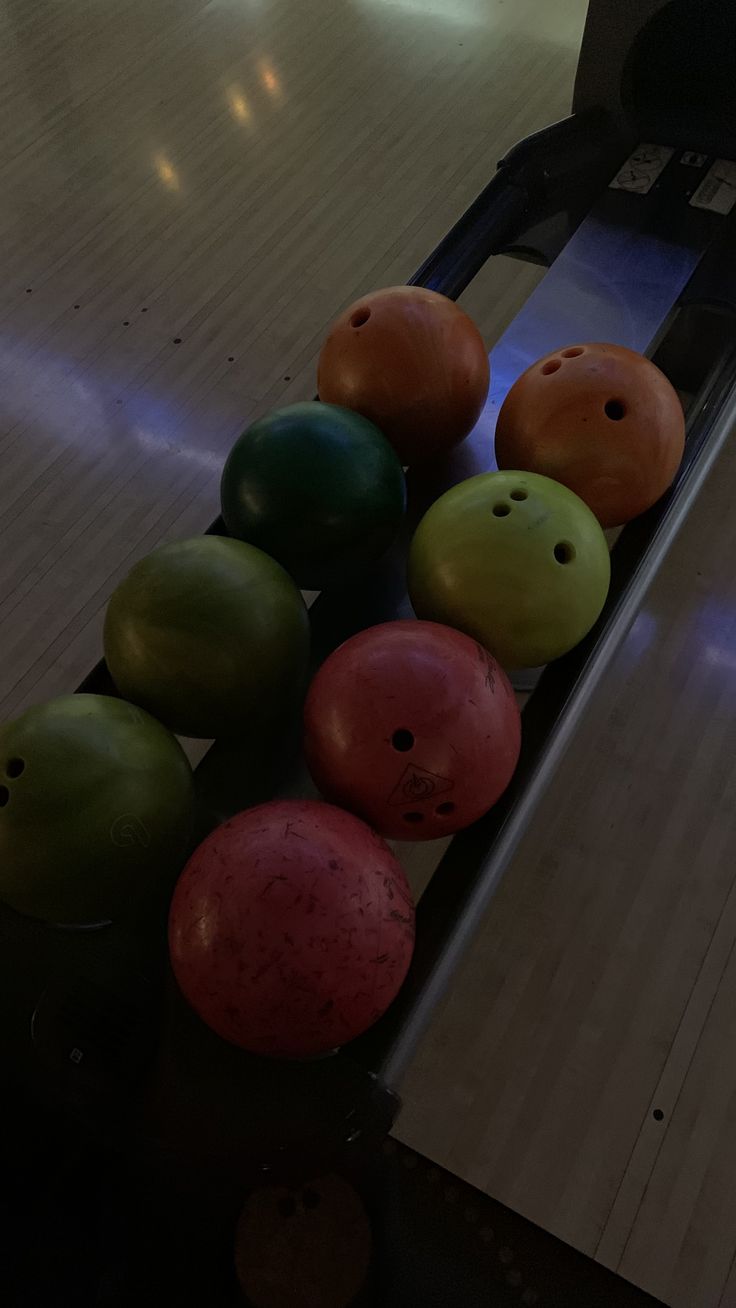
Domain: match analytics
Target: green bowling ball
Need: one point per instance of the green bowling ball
(515, 560)
(96, 810)
(316, 486)
(210, 635)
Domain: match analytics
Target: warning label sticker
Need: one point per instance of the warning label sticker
(717, 191)
(642, 169)
(416, 783)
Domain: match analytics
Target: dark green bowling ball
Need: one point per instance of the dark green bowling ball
(210, 635)
(316, 486)
(96, 809)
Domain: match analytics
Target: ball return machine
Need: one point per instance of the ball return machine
(136, 1131)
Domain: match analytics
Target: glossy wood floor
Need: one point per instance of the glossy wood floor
(191, 192)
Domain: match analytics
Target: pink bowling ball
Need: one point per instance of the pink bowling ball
(291, 928)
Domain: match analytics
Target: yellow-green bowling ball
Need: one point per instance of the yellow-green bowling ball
(515, 560)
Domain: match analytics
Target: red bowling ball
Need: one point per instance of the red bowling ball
(291, 929)
(414, 726)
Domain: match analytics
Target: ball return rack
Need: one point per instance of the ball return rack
(638, 239)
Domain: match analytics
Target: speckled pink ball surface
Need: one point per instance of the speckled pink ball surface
(291, 928)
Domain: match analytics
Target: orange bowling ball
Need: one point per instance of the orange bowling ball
(413, 363)
(602, 420)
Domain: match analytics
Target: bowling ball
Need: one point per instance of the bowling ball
(96, 802)
(291, 928)
(317, 487)
(414, 726)
(413, 363)
(306, 1246)
(210, 635)
(515, 560)
(602, 420)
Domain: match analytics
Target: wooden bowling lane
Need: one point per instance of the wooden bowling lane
(582, 1069)
(191, 193)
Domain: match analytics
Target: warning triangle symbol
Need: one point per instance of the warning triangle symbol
(416, 784)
